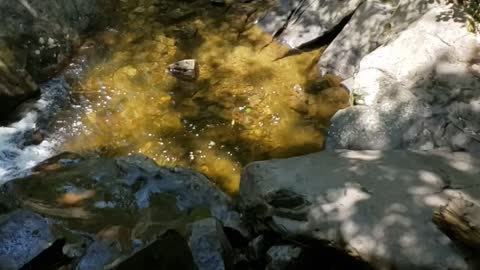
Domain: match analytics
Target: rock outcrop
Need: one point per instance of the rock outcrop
(36, 40)
(379, 205)
(362, 34)
(422, 90)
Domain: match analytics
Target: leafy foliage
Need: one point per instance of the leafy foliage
(472, 7)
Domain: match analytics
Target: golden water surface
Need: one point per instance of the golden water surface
(248, 103)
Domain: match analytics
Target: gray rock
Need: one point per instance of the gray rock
(422, 89)
(184, 69)
(258, 247)
(134, 192)
(210, 247)
(36, 40)
(407, 12)
(43, 32)
(378, 205)
(97, 255)
(23, 235)
(361, 35)
(299, 22)
(123, 188)
(282, 257)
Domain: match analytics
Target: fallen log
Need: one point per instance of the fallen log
(460, 221)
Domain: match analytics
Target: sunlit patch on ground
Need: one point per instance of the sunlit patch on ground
(244, 106)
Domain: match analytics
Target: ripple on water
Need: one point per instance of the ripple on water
(239, 110)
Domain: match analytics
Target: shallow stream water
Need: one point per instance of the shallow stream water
(249, 102)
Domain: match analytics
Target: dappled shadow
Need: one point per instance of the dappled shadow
(421, 103)
(378, 205)
(460, 8)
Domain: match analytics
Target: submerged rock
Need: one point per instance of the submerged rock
(23, 235)
(185, 69)
(377, 204)
(218, 2)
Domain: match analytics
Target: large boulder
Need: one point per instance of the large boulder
(114, 207)
(378, 205)
(36, 40)
(422, 90)
(16, 85)
(169, 251)
(300, 22)
(23, 235)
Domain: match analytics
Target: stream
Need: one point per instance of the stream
(250, 102)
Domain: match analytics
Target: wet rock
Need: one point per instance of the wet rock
(23, 236)
(36, 40)
(300, 22)
(47, 30)
(14, 89)
(126, 183)
(283, 257)
(377, 204)
(169, 251)
(210, 247)
(362, 34)
(421, 89)
(93, 196)
(185, 69)
(56, 162)
(97, 255)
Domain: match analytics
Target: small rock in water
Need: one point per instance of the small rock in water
(186, 69)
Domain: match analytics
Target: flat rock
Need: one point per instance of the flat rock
(422, 90)
(23, 236)
(299, 22)
(377, 204)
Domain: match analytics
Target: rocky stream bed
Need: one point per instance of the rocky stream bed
(249, 134)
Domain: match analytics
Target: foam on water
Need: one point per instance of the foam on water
(16, 156)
